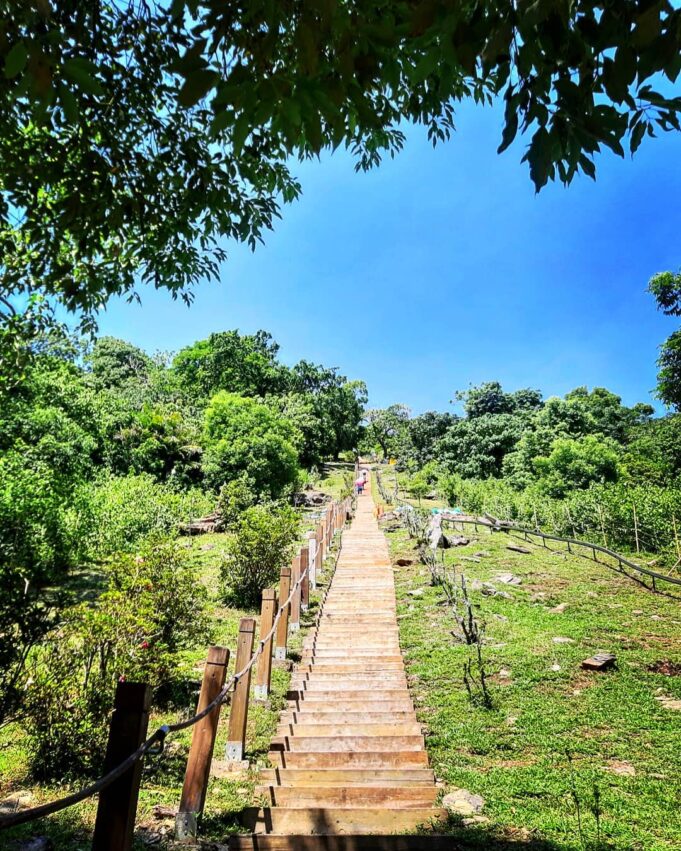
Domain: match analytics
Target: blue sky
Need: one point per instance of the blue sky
(442, 268)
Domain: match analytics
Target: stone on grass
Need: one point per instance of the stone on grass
(404, 562)
(669, 702)
(600, 662)
(561, 639)
(463, 802)
(457, 541)
(516, 548)
(504, 673)
(621, 768)
(508, 579)
(555, 667)
(559, 609)
(417, 592)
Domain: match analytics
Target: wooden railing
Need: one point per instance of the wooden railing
(118, 788)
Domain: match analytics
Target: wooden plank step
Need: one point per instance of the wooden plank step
(393, 797)
(328, 820)
(352, 744)
(347, 776)
(332, 716)
(342, 842)
(404, 728)
(321, 666)
(385, 699)
(349, 759)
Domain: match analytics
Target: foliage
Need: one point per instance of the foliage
(490, 398)
(666, 287)
(234, 498)
(245, 365)
(154, 607)
(245, 436)
(124, 510)
(576, 464)
(420, 438)
(386, 427)
(116, 363)
(476, 447)
(653, 452)
(211, 102)
(262, 544)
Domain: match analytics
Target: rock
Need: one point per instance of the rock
(206, 547)
(505, 674)
(599, 662)
(476, 585)
(161, 811)
(559, 609)
(21, 800)
(417, 592)
(669, 702)
(555, 667)
(637, 611)
(561, 639)
(463, 802)
(472, 820)
(516, 548)
(656, 618)
(501, 618)
(36, 843)
(482, 554)
(508, 579)
(621, 768)
(457, 541)
(470, 558)
(404, 562)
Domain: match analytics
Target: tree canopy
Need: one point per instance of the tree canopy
(136, 137)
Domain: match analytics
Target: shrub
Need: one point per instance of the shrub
(234, 498)
(261, 546)
(154, 607)
(127, 509)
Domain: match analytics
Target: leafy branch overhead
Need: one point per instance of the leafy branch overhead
(135, 137)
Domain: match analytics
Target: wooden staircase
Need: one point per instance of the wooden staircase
(350, 765)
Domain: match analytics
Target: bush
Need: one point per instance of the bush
(127, 509)
(261, 546)
(154, 607)
(234, 498)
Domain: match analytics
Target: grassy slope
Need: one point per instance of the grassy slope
(552, 735)
(162, 782)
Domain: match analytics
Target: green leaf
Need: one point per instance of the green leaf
(637, 135)
(69, 104)
(81, 72)
(196, 86)
(221, 121)
(16, 59)
(241, 130)
(425, 66)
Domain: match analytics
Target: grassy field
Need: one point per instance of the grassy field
(565, 758)
(71, 830)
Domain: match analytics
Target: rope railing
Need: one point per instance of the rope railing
(333, 522)
(496, 525)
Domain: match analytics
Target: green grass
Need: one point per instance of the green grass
(554, 737)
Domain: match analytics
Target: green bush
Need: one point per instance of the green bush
(234, 498)
(261, 546)
(154, 607)
(125, 510)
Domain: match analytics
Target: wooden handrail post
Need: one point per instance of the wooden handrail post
(238, 716)
(305, 586)
(263, 673)
(203, 742)
(312, 559)
(294, 624)
(117, 805)
(319, 538)
(281, 638)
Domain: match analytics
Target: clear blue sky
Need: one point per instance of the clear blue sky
(443, 268)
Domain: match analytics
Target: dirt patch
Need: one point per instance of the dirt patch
(664, 666)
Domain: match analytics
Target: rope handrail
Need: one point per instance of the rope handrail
(158, 736)
(501, 525)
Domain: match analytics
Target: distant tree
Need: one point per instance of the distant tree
(653, 453)
(574, 464)
(421, 436)
(116, 363)
(386, 426)
(476, 447)
(666, 287)
(243, 436)
(243, 364)
(490, 398)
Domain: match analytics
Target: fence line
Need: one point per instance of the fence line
(336, 515)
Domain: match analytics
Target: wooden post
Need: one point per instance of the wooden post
(305, 571)
(294, 623)
(320, 547)
(263, 674)
(117, 806)
(638, 548)
(238, 716)
(312, 559)
(203, 741)
(282, 627)
(600, 514)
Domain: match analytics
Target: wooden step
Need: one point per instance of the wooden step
(347, 776)
(349, 759)
(332, 716)
(385, 700)
(329, 820)
(348, 744)
(405, 728)
(392, 797)
(342, 842)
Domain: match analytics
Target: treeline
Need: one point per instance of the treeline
(105, 451)
(584, 464)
